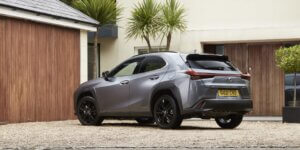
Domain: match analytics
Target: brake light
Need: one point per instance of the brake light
(198, 75)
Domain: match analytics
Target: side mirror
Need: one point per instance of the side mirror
(105, 75)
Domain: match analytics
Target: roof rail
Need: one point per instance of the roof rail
(155, 52)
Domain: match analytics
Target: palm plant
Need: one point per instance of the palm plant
(68, 2)
(173, 19)
(145, 21)
(105, 12)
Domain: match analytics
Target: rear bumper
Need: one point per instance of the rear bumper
(225, 105)
(220, 107)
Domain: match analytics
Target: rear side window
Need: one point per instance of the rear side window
(211, 65)
(152, 63)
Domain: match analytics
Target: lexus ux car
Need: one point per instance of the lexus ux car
(164, 88)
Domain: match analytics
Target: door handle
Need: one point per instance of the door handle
(124, 82)
(155, 77)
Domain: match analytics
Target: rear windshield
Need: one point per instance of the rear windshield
(211, 65)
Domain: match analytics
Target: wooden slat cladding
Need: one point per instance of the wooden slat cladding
(39, 71)
(238, 53)
(267, 80)
(3, 82)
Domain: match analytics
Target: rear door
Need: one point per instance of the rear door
(142, 84)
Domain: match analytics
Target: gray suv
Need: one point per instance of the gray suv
(165, 88)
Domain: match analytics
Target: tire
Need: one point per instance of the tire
(87, 112)
(229, 122)
(166, 113)
(145, 120)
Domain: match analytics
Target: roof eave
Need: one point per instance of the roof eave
(40, 17)
(96, 23)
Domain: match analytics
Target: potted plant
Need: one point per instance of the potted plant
(288, 59)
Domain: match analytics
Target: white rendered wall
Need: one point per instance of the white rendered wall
(213, 21)
(83, 56)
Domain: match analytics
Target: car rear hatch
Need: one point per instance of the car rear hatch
(214, 77)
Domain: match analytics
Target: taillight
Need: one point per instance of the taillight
(246, 76)
(198, 75)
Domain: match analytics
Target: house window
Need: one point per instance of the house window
(214, 49)
(91, 60)
(145, 50)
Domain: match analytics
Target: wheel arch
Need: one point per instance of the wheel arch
(86, 92)
(168, 90)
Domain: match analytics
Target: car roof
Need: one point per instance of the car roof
(170, 53)
(156, 53)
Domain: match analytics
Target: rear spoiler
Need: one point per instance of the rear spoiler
(194, 57)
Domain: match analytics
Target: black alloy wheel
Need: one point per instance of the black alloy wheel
(87, 112)
(166, 113)
(229, 122)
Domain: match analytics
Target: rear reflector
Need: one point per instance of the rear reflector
(198, 75)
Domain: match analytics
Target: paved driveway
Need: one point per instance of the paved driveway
(128, 134)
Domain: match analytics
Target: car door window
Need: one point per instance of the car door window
(152, 63)
(127, 68)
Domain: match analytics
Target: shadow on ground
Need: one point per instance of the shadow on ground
(182, 127)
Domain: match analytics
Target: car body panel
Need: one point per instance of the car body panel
(111, 101)
(135, 99)
(141, 86)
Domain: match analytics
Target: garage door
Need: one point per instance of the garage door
(267, 80)
(39, 66)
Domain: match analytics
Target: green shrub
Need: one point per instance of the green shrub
(288, 59)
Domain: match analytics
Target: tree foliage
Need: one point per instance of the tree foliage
(68, 2)
(105, 12)
(150, 19)
(288, 59)
(173, 19)
(145, 21)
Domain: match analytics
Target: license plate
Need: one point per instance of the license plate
(232, 93)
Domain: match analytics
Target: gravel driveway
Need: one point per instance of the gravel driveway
(128, 134)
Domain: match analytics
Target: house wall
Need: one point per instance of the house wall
(213, 21)
(40, 69)
(83, 56)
